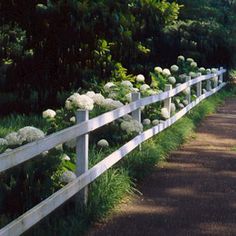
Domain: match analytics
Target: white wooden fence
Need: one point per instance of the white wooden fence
(81, 131)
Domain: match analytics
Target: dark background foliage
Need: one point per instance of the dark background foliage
(49, 48)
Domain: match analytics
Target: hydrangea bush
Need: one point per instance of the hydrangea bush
(113, 94)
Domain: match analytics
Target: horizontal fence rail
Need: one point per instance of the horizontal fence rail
(28, 151)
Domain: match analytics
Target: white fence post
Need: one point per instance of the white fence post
(216, 78)
(221, 76)
(199, 89)
(136, 114)
(167, 102)
(82, 147)
(188, 96)
(208, 86)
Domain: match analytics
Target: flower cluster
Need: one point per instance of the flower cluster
(131, 126)
(49, 113)
(103, 143)
(78, 101)
(24, 135)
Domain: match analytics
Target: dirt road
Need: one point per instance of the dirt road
(194, 193)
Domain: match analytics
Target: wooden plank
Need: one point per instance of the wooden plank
(136, 114)
(82, 150)
(167, 102)
(28, 151)
(37, 213)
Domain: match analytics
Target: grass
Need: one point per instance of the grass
(15, 122)
(109, 189)
(233, 149)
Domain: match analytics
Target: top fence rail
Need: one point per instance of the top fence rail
(28, 151)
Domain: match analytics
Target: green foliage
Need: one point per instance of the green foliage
(72, 43)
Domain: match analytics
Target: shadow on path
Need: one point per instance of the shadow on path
(194, 193)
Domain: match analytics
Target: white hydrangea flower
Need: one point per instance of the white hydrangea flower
(29, 134)
(126, 84)
(208, 71)
(84, 102)
(65, 157)
(98, 99)
(164, 113)
(140, 78)
(72, 101)
(166, 72)
(3, 141)
(68, 105)
(181, 105)
(13, 139)
(172, 80)
(49, 113)
(172, 108)
(190, 60)
(155, 122)
(214, 70)
(181, 58)
(202, 69)
(111, 104)
(128, 97)
(193, 64)
(192, 74)
(158, 69)
(132, 126)
(198, 74)
(67, 177)
(146, 122)
(103, 143)
(108, 86)
(73, 119)
(174, 68)
(187, 91)
(90, 94)
(113, 95)
(127, 117)
(185, 102)
(135, 90)
(144, 87)
(151, 92)
(79, 101)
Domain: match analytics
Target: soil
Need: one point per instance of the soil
(194, 193)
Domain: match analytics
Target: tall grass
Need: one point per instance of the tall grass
(109, 189)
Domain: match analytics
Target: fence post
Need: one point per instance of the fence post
(208, 86)
(82, 146)
(199, 89)
(188, 96)
(221, 76)
(167, 102)
(215, 81)
(137, 113)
